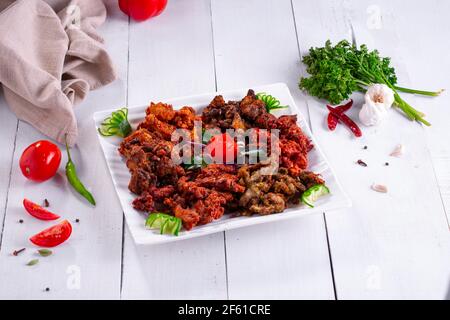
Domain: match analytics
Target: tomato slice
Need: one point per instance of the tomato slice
(38, 212)
(222, 148)
(53, 236)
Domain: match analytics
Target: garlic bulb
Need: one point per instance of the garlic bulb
(372, 114)
(378, 100)
(380, 95)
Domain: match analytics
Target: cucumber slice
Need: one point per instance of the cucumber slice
(156, 220)
(178, 227)
(314, 193)
(172, 226)
(163, 226)
(166, 224)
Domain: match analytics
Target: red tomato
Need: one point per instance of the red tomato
(222, 148)
(141, 10)
(40, 161)
(53, 236)
(38, 212)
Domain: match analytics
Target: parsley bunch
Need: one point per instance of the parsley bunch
(337, 71)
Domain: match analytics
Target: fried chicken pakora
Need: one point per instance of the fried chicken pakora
(201, 194)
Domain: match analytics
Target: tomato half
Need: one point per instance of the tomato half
(40, 160)
(141, 10)
(222, 148)
(38, 212)
(53, 236)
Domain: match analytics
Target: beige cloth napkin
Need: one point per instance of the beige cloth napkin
(49, 60)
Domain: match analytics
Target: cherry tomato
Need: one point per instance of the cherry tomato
(53, 236)
(141, 10)
(40, 160)
(222, 148)
(38, 212)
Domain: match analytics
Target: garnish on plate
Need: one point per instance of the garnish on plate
(196, 162)
(71, 173)
(338, 71)
(166, 224)
(271, 102)
(116, 124)
(312, 194)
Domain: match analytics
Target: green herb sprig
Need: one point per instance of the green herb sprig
(116, 124)
(337, 71)
(271, 102)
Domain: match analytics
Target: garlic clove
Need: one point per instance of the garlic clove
(379, 188)
(398, 151)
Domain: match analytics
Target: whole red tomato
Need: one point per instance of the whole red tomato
(141, 10)
(40, 160)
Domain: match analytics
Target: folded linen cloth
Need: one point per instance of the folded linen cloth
(49, 60)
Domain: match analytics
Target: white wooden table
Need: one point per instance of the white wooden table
(394, 245)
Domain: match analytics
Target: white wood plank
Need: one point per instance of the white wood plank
(172, 55)
(428, 66)
(393, 245)
(87, 266)
(255, 43)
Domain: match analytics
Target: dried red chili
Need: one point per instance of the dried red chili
(333, 120)
(347, 121)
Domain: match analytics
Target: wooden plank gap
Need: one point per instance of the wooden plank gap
(330, 257)
(123, 215)
(9, 185)
(213, 47)
(300, 61)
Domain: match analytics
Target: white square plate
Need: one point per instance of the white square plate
(136, 220)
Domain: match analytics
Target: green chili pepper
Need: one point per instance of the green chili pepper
(71, 173)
